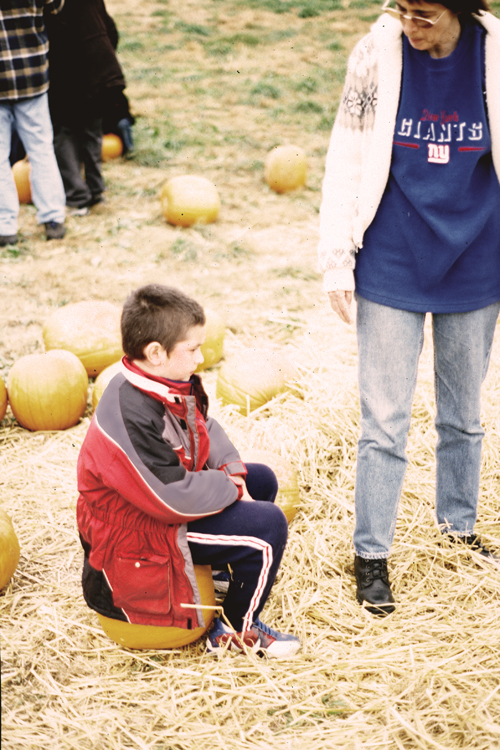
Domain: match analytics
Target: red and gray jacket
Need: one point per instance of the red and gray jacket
(152, 461)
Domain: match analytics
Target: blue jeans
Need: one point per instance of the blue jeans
(389, 346)
(32, 120)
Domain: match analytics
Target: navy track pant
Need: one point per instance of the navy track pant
(251, 538)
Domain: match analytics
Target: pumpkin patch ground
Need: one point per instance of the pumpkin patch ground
(215, 86)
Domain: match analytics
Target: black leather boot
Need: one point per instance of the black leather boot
(373, 587)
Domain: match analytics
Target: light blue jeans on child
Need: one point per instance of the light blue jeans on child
(389, 346)
(32, 120)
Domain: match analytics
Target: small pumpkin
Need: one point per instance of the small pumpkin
(285, 168)
(89, 329)
(250, 379)
(48, 391)
(102, 381)
(3, 399)
(131, 635)
(21, 172)
(9, 549)
(288, 497)
(213, 346)
(112, 147)
(189, 199)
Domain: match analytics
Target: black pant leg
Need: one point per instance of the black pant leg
(251, 537)
(68, 154)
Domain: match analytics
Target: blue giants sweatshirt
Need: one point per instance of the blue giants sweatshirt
(434, 244)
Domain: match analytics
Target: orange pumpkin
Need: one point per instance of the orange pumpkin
(9, 549)
(3, 399)
(21, 171)
(91, 330)
(189, 199)
(112, 147)
(251, 378)
(131, 635)
(288, 497)
(48, 391)
(102, 381)
(286, 168)
(213, 346)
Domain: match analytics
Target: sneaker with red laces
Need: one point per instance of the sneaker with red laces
(260, 639)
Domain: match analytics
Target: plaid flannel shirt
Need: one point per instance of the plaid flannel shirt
(24, 68)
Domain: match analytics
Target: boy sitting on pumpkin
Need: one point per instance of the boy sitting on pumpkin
(161, 483)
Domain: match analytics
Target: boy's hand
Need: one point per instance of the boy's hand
(240, 482)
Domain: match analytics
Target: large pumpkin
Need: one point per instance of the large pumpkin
(9, 549)
(112, 147)
(21, 171)
(48, 391)
(102, 380)
(288, 497)
(3, 399)
(189, 199)
(91, 330)
(286, 168)
(131, 635)
(213, 347)
(250, 379)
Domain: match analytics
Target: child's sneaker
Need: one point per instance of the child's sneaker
(222, 638)
(273, 643)
(259, 639)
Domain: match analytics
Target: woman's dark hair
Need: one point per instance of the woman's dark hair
(464, 8)
(157, 313)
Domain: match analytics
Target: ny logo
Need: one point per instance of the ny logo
(438, 153)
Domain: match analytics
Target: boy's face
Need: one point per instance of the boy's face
(184, 357)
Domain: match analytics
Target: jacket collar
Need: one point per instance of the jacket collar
(163, 389)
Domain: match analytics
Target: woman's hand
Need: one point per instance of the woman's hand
(341, 304)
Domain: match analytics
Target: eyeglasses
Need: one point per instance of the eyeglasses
(423, 23)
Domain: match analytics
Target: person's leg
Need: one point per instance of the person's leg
(91, 153)
(389, 346)
(67, 150)
(35, 130)
(9, 202)
(261, 482)
(262, 485)
(251, 538)
(462, 347)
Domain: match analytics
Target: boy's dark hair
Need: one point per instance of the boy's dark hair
(157, 313)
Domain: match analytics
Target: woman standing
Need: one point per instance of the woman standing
(410, 220)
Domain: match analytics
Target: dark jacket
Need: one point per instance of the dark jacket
(152, 460)
(85, 74)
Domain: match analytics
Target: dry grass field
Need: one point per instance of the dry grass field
(215, 84)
